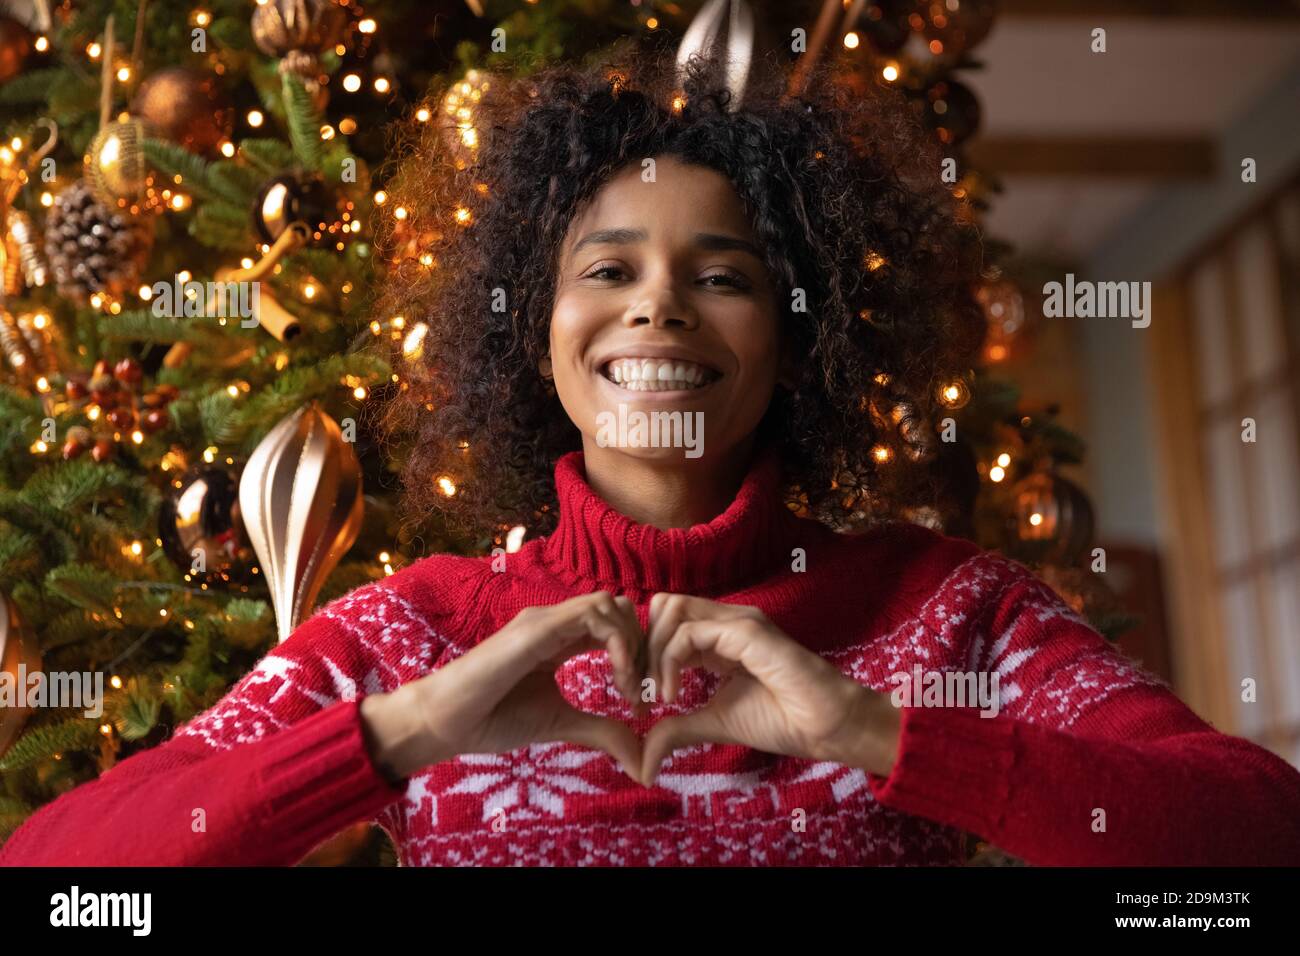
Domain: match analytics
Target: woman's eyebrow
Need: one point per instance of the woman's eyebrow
(710, 241)
(611, 236)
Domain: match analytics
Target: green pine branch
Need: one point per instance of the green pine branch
(304, 122)
(43, 742)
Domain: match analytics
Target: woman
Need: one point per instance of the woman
(678, 668)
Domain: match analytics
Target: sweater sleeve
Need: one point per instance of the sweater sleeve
(1090, 761)
(274, 768)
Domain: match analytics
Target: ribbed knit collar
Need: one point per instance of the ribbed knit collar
(595, 543)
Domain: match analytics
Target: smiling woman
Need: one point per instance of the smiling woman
(690, 662)
(614, 209)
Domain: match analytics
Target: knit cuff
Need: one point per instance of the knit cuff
(318, 777)
(953, 767)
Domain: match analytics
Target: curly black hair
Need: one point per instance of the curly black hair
(844, 190)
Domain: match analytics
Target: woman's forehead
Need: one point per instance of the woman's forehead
(661, 195)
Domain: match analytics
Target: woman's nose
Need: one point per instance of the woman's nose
(660, 305)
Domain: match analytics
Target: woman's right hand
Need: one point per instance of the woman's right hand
(501, 695)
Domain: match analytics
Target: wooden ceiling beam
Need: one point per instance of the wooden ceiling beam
(1163, 157)
(1165, 9)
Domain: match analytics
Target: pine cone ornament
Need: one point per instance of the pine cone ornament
(93, 248)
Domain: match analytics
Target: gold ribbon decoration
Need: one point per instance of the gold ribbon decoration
(702, 36)
(17, 647)
(302, 505)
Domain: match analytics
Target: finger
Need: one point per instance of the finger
(601, 733)
(690, 642)
(672, 733)
(637, 637)
(611, 628)
(669, 611)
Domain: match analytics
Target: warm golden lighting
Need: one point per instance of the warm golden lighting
(463, 215)
(882, 453)
(1004, 459)
(137, 436)
(679, 104)
(381, 197)
(446, 486)
(227, 149)
(210, 454)
(137, 548)
(255, 118)
(359, 393)
(873, 261)
(381, 84)
(1036, 519)
(414, 343)
(352, 82)
(115, 682)
(954, 394)
(42, 384)
(422, 114)
(42, 44)
(890, 72)
(39, 447)
(123, 74)
(997, 473)
(367, 25)
(399, 212)
(851, 41)
(93, 50)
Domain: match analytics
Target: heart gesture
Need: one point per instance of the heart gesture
(776, 696)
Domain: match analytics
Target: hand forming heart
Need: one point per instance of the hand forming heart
(776, 695)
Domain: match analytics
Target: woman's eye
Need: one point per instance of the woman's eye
(599, 273)
(725, 279)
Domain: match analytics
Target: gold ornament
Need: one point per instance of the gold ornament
(290, 198)
(302, 504)
(1054, 519)
(296, 31)
(19, 656)
(14, 347)
(23, 247)
(115, 163)
(186, 107)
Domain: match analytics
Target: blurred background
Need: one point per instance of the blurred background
(1128, 166)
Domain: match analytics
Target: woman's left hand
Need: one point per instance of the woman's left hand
(776, 696)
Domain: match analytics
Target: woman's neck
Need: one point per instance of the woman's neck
(675, 492)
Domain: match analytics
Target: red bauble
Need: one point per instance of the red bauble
(128, 371)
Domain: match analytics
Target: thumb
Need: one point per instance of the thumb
(602, 733)
(671, 733)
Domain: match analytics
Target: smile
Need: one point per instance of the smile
(657, 375)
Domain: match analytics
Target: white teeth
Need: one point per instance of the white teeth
(656, 375)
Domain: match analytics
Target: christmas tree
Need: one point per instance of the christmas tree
(155, 166)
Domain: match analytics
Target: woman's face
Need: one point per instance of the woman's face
(663, 304)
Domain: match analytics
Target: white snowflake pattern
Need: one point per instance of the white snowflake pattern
(537, 781)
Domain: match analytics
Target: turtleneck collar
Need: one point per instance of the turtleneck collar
(595, 543)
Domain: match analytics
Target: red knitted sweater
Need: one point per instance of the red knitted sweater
(279, 764)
